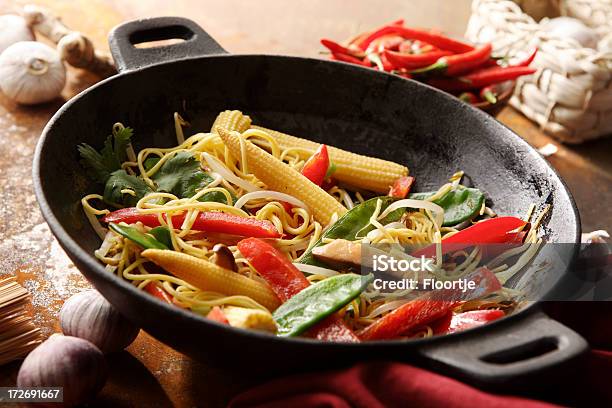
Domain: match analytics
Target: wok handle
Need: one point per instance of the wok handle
(507, 354)
(123, 38)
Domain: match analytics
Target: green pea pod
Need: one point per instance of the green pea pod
(162, 234)
(354, 222)
(131, 233)
(317, 301)
(460, 204)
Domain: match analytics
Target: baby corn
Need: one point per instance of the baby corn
(282, 178)
(254, 319)
(232, 120)
(354, 169)
(209, 277)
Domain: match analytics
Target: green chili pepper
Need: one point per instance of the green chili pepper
(317, 301)
(131, 233)
(460, 204)
(354, 222)
(162, 234)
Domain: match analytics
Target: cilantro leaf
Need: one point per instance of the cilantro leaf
(100, 165)
(120, 180)
(182, 176)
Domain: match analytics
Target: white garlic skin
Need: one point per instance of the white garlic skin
(89, 316)
(568, 27)
(13, 29)
(31, 73)
(69, 362)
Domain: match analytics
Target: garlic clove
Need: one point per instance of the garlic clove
(31, 73)
(69, 362)
(89, 316)
(13, 29)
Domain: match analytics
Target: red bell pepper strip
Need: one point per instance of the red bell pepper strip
(401, 187)
(154, 289)
(337, 56)
(217, 315)
(491, 231)
(412, 61)
(286, 281)
(438, 40)
(474, 318)
(480, 78)
(317, 165)
(205, 221)
(339, 48)
(460, 63)
(429, 307)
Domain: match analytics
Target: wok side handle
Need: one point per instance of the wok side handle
(194, 42)
(508, 354)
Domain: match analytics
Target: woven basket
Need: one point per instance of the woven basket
(570, 96)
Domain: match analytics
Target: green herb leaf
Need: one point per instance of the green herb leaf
(150, 162)
(100, 165)
(144, 240)
(354, 222)
(460, 204)
(317, 301)
(162, 234)
(182, 176)
(120, 180)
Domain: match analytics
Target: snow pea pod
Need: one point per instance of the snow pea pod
(317, 301)
(460, 204)
(162, 234)
(131, 233)
(354, 222)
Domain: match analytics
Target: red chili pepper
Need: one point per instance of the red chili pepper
(460, 63)
(401, 187)
(429, 307)
(205, 221)
(491, 231)
(317, 165)
(480, 78)
(350, 59)
(217, 315)
(435, 39)
(387, 42)
(154, 289)
(286, 281)
(489, 94)
(527, 60)
(334, 47)
(412, 61)
(468, 97)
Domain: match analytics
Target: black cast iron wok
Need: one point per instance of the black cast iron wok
(350, 107)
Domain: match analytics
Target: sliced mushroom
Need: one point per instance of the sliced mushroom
(224, 257)
(340, 252)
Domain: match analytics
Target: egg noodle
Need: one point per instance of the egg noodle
(247, 196)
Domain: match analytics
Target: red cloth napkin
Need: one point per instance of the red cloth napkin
(397, 384)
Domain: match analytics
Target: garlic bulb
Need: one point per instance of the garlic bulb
(13, 29)
(89, 316)
(567, 27)
(64, 361)
(31, 73)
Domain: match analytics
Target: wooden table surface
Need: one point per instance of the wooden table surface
(149, 373)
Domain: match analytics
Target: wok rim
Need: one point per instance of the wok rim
(73, 250)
